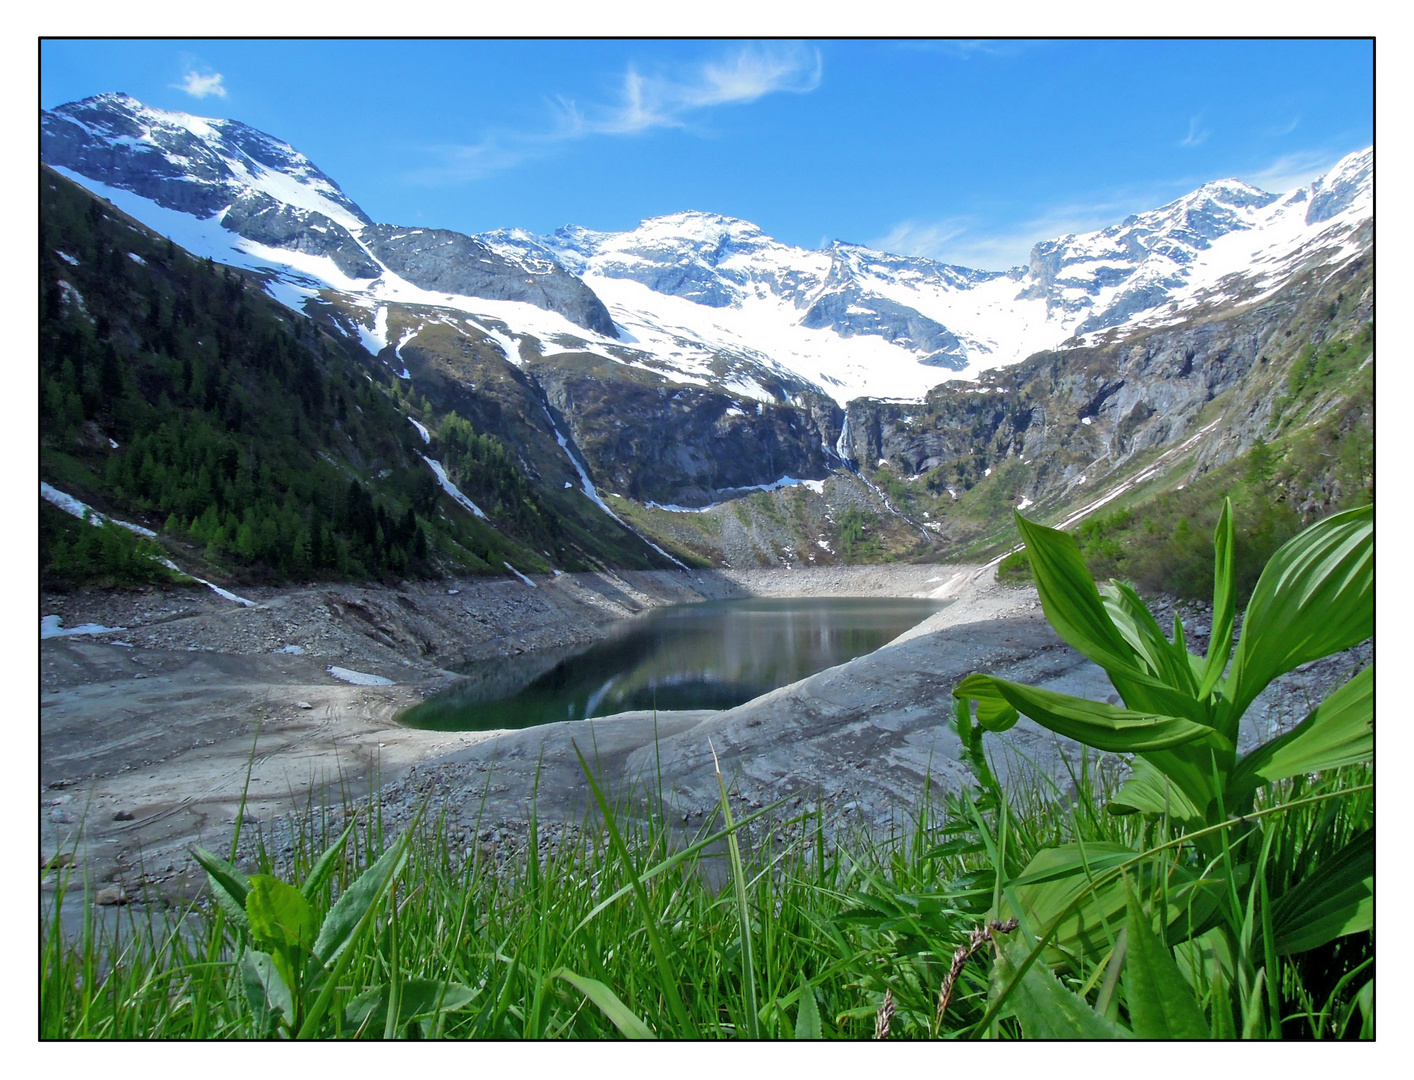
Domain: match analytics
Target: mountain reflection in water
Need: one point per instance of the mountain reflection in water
(691, 656)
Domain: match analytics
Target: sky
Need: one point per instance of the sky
(964, 151)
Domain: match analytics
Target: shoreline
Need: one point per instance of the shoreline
(144, 747)
(146, 731)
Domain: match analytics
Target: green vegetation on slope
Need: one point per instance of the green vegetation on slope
(173, 392)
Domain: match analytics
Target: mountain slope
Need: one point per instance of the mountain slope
(255, 446)
(694, 360)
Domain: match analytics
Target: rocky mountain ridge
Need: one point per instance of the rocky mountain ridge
(695, 357)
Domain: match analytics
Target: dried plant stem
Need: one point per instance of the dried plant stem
(886, 1014)
(975, 940)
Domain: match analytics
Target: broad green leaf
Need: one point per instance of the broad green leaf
(1191, 768)
(228, 885)
(1149, 791)
(348, 911)
(807, 1016)
(1161, 1003)
(416, 998)
(323, 869)
(1069, 598)
(1046, 1009)
(1336, 898)
(1339, 731)
(265, 990)
(1206, 958)
(1137, 626)
(619, 1014)
(994, 712)
(1224, 603)
(1315, 597)
(1093, 723)
(279, 914)
(1053, 880)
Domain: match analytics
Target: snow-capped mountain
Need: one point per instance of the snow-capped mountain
(245, 197)
(699, 298)
(859, 322)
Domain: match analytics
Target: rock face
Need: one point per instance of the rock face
(1080, 410)
(654, 440)
(449, 262)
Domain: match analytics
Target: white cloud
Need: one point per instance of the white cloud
(668, 99)
(201, 86)
(929, 239)
(662, 99)
(983, 246)
(1196, 136)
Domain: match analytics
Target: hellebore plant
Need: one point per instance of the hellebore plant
(1180, 719)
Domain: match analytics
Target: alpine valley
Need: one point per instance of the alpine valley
(268, 385)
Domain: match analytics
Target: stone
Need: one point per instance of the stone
(303, 705)
(123, 815)
(112, 896)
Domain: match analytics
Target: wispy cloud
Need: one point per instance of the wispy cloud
(1197, 134)
(669, 98)
(929, 239)
(967, 241)
(1292, 170)
(200, 86)
(662, 98)
(1276, 131)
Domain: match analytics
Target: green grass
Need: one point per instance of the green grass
(631, 925)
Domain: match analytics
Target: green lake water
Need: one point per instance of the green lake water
(691, 656)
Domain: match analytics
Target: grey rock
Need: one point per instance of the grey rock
(449, 262)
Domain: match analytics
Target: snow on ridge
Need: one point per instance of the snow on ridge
(769, 287)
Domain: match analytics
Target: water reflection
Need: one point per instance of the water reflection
(693, 656)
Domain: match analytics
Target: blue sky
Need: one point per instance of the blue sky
(965, 151)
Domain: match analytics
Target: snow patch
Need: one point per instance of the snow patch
(375, 340)
(451, 488)
(358, 678)
(52, 626)
(83, 511)
(518, 574)
(426, 435)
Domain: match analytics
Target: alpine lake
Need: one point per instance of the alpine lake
(713, 655)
